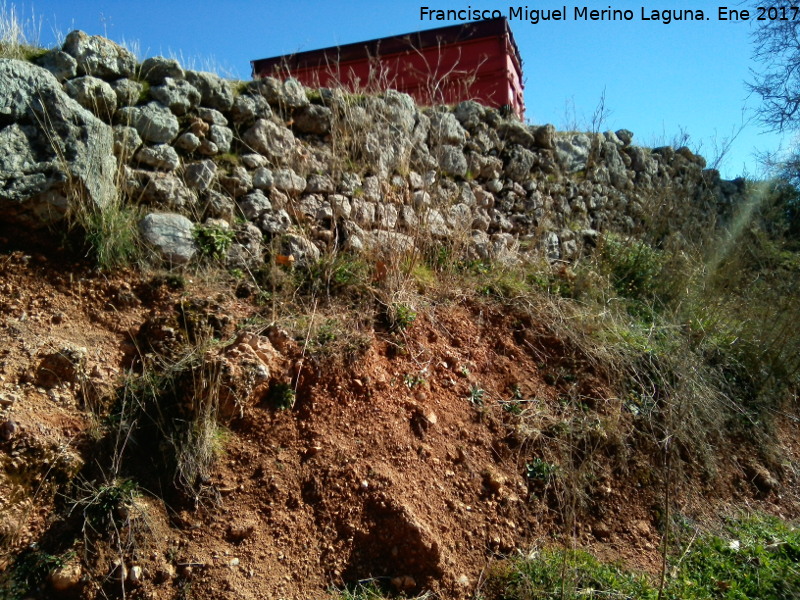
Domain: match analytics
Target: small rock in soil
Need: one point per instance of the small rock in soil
(135, 574)
(404, 583)
(601, 531)
(8, 430)
(238, 532)
(66, 578)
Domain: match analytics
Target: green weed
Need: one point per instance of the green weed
(570, 575)
(369, 590)
(101, 503)
(540, 470)
(633, 265)
(213, 240)
(413, 380)
(111, 234)
(281, 396)
(476, 395)
(402, 316)
(755, 557)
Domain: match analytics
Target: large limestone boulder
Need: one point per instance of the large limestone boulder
(156, 69)
(248, 107)
(128, 91)
(214, 90)
(269, 139)
(469, 113)
(154, 122)
(179, 95)
(452, 160)
(171, 235)
(53, 152)
(161, 157)
(99, 57)
(445, 129)
(289, 94)
(305, 253)
(94, 95)
(572, 151)
(313, 119)
(59, 63)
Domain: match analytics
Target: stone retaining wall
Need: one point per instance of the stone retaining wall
(318, 169)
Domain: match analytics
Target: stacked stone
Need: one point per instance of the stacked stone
(316, 169)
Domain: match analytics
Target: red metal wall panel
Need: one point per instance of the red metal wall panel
(485, 69)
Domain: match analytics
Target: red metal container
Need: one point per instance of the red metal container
(475, 61)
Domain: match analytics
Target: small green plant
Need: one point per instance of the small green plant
(371, 589)
(348, 271)
(633, 265)
(281, 396)
(421, 273)
(101, 503)
(477, 267)
(413, 380)
(476, 395)
(240, 87)
(754, 557)
(441, 258)
(229, 160)
(366, 590)
(327, 332)
(402, 316)
(144, 92)
(552, 283)
(213, 240)
(515, 404)
(111, 235)
(334, 275)
(314, 95)
(512, 406)
(540, 470)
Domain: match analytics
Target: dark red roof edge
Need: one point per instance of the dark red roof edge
(396, 44)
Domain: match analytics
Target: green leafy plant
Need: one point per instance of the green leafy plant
(634, 266)
(412, 380)
(515, 404)
(103, 504)
(540, 470)
(281, 396)
(229, 160)
(754, 557)
(476, 395)
(402, 316)
(213, 240)
(370, 590)
(327, 332)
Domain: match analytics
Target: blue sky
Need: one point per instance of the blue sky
(661, 81)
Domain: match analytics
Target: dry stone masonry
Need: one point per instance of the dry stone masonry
(315, 170)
